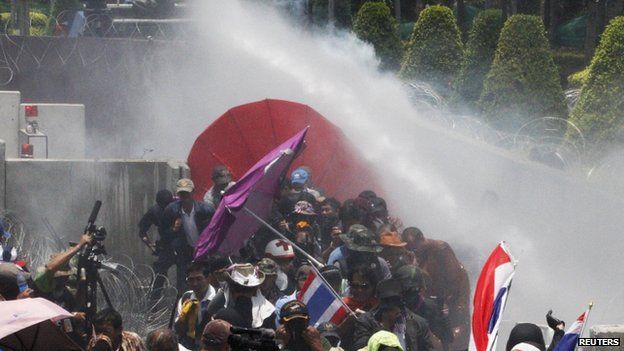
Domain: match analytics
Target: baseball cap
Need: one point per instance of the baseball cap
(278, 249)
(294, 309)
(215, 333)
(299, 176)
(391, 239)
(360, 238)
(304, 208)
(185, 185)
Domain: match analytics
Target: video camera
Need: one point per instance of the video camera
(97, 233)
(243, 339)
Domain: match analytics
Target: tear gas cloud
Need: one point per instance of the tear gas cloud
(563, 231)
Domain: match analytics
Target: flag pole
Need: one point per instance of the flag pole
(591, 304)
(276, 232)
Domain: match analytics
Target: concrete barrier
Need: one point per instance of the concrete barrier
(62, 193)
(9, 112)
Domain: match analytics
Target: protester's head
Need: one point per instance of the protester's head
(218, 266)
(221, 176)
(108, 322)
(384, 341)
(215, 336)
(332, 276)
(329, 331)
(393, 248)
(413, 237)
(302, 275)
(330, 208)
(163, 339)
(101, 343)
(197, 278)
(360, 239)
(185, 189)
(350, 214)
(298, 178)
(282, 253)
(525, 337)
(244, 279)
(163, 198)
(390, 300)
(412, 284)
(362, 282)
(295, 318)
(269, 268)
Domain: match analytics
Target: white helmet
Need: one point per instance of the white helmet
(279, 248)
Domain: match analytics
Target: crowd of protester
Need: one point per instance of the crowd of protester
(406, 292)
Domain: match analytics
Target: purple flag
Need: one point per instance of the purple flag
(230, 227)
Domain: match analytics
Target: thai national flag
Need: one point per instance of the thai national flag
(322, 304)
(489, 299)
(569, 339)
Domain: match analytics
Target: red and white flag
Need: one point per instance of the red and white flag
(490, 297)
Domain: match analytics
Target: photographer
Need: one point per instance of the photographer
(184, 220)
(51, 280)
(294, 332)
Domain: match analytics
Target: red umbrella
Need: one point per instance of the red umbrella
(242, 135)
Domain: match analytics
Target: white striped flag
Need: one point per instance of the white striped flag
(323, 305)
(569, 339)
(490, 297)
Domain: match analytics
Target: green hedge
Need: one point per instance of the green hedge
(435, 50)
(523, 82)
(599, 113)
(568, 61)
(480, 50)
(375, 24)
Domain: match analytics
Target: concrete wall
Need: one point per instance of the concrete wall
(9, 111)
(2, 173)
(64, 124)
(63, 192)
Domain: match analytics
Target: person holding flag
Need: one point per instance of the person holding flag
(569, 340)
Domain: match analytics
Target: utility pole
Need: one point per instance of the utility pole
(20, 16)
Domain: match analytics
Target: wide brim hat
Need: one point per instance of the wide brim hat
(245, 275)
(359, 238)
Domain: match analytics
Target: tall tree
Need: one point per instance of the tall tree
(523, 82)
(480, 51)
(598, 113)
(435, 49)
(375, 24)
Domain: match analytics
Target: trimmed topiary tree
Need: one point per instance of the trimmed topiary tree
(342, 12)
(480, 50)
(523, 82)
(435, 49)
(375, 24)
(599, 113)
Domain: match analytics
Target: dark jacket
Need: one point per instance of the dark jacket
(417, 333)
(154, 216)
(173, 211)
(556, 338)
